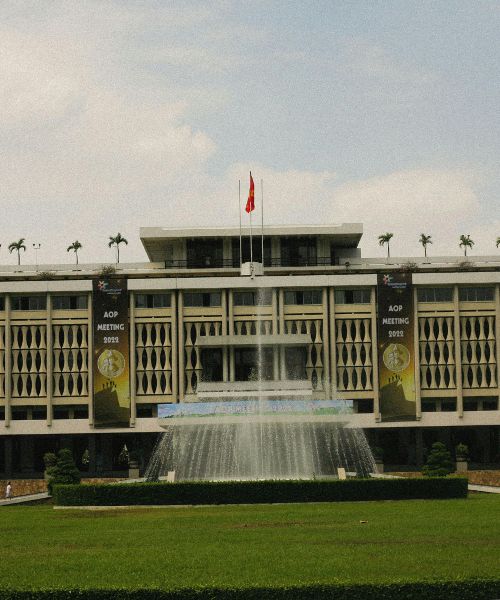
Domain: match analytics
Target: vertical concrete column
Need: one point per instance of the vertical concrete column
(373, 317)
(27, 454)
(131, 320)
(274, 309)
(416, 352)
(497, 335)
(225, 362)
(8, 450)
(180, 329)
(326, 344)
(50, 367)
(281, 322)
(333, 345)
(8, 365)
(458, 352)
(107, 452)
(90, 358)
(175, 348)
(231, 333)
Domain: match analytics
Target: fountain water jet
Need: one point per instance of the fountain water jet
(260, 437)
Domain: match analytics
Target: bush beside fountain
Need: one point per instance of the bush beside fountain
(257, 492)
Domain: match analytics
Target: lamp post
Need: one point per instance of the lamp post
(36, 247)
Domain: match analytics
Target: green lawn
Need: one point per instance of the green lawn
(250, 545)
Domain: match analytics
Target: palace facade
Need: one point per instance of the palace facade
(196, 317)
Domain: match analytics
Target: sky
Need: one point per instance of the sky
(117, 115)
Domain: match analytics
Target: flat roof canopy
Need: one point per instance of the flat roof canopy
(155, 239)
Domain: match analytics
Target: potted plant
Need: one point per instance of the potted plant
(462, 458)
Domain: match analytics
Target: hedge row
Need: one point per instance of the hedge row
(454, 590)
(255, 492)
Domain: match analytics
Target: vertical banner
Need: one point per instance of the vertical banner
(396, 360)
(111, 353)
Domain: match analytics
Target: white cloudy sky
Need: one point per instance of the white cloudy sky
(116, 115)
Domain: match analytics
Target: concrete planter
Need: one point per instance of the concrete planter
(133, 469)
(379, 465)
(462, 465)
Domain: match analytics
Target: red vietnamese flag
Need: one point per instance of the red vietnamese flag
(251, 196)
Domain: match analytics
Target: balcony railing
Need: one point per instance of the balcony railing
(229, 263)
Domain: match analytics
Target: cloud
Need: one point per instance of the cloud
(96, 138)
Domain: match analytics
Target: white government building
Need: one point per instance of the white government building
(195, 319)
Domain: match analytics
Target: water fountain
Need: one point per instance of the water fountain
(275, 431)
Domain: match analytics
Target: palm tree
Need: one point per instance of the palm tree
(498, 241)
(75, 246)
(385, 239)
(425, 240)
(466, 242)
(17, 246)
(116, 241)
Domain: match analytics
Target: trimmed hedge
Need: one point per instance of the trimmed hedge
(256, 492)
(450, 590)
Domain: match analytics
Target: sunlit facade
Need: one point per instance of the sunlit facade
(194, 318)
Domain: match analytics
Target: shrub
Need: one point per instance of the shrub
(63, 471)
(468, 589)
(107, 270)
(258, 492)
(49, 460)
(439, 462)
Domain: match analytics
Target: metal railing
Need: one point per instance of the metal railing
(229, 263)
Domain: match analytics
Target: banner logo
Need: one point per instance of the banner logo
(396, 360)
(111, 353)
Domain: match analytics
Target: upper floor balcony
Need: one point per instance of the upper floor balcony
(280, 247)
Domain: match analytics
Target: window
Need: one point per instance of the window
(249, 365)
(2, 303)
(299, 252)
(211, 361)
(261, 297)
(81, 411)
(2, 413)
(202, 253)
(355, 296)
(202, 299)
(39, 413)
(363, 406)
(303, 297)
(428, 406)
(490, 404)
(470, 404)
(439, 294)
(28, 302)
(152, 300)
(256, 250)
(61, 412)
(295, 363)
(19, 413)
(448, 405)
(69, 302)
(144, 411)
(476, 294)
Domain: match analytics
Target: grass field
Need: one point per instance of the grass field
(250, 545)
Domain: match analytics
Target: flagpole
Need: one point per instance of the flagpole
(262, 217)
(251, 242)
(239, 212)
